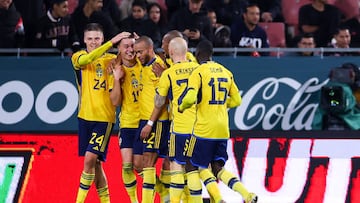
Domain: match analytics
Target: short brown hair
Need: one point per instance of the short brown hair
(196, 1)
(93, 27)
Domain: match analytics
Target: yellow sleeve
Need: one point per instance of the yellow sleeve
(188, 100)
(75, 57)
(96, 53)
(191, 57)
(163, 84)
(233, 101)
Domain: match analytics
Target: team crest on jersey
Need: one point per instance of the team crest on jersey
(99, 70)
(134, 81)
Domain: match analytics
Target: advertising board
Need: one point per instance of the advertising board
(39, 93)
(281, 167)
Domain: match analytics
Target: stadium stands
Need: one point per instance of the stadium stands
(72, 5)
(350, 8)
(275, 32)
(289, 28)
(290, 10)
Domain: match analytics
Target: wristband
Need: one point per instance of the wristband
(150, 123)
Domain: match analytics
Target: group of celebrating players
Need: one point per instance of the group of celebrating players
(173, 107)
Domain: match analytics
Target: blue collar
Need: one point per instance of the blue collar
(151, 62)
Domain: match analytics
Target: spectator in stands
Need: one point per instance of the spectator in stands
(11, 25)
(321, 19)
(354, 26)
(213, 19)
(30, 11)
(91, 12)
(55, 29)
(193, 23)
(304, 41)
(226, 10)
(172, 6)
(342, 39)
(110, 8)
(126, 7)
(158, 16)
(221, 32)
(270, 10)
(247, 33)
(139, 23)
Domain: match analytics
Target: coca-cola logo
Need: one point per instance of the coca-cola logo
(258, 107)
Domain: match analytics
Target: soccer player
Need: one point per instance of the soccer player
(96, 114)
(156, 144)
(167, 59)
(213, 89)
(173, 85)
(129, 87)
(165, 46)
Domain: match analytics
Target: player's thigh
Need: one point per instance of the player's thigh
(177, 147)
(100, 137)
(201, 151)
(158, 139)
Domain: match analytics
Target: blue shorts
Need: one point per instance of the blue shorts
(202, 152)
(177, 147)
(128, 139)
(94, 137)
(158, 138)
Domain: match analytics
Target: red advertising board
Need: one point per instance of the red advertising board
(54, 169)
(284, 167)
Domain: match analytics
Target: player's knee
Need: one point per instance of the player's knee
(189, 167)
(138, 168)
(216, 167)
(166, 164)
(90, 163)
(149, 159)
(138, 165)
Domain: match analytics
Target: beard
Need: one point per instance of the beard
(253, 23)
(147, 59)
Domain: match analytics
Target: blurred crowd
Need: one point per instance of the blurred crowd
(227, 23)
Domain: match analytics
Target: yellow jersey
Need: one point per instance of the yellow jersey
(215, 84)
(173, 84)
(148, 83)
(190, 57)
(129, 115)
(94, 86)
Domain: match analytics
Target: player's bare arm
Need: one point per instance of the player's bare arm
(159, 104)
(158, 69)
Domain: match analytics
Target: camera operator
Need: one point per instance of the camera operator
(339, 102)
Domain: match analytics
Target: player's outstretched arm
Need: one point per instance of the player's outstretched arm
(188, 100)
(96, 53)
